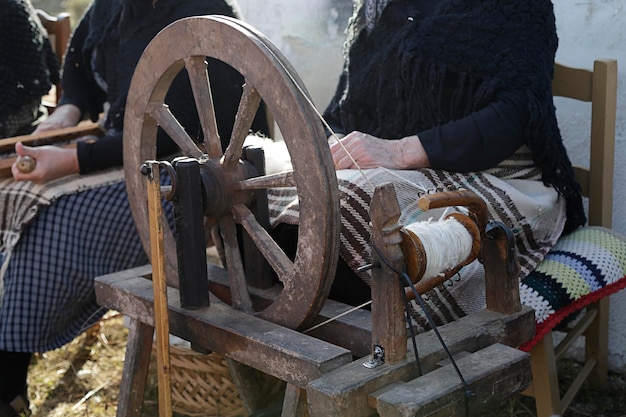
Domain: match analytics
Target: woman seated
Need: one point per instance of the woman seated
(453, 94)
(52, 248)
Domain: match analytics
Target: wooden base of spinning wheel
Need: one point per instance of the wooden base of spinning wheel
(322, 376)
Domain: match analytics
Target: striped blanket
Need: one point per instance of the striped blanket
(516, 197)
(558, 276)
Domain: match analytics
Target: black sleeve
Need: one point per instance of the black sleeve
(482, 139)
(79, 87)
(107, 151)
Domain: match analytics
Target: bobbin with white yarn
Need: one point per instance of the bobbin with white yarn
(436, 249)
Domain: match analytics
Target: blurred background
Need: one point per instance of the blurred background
(75, 8)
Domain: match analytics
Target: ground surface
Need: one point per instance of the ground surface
(82, 380)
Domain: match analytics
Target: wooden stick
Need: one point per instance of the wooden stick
(52, 136)
(161, 323)
(388, 322)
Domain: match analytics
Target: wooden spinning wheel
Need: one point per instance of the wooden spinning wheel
(305, 281)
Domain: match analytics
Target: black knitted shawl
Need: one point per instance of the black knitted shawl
(28, 66)
(423, 72)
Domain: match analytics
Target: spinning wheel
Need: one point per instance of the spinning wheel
(318, 367)
(305, 281)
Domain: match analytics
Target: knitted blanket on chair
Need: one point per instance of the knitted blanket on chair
(581, 268)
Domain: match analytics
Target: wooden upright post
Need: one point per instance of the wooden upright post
(388, 323)
(161, 323)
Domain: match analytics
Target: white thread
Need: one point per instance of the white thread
(446, 244)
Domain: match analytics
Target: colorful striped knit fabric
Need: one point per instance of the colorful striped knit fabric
(583, 267)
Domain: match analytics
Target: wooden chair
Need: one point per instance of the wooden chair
(59, 30)
(598, 87)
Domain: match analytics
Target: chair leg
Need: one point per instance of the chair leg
(545, 387)
(135, 373)
(597, 342)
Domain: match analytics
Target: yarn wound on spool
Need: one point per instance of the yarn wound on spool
(437, 246)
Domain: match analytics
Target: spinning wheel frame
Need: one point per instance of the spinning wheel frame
(185, 44)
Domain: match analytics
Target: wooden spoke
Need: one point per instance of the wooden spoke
(166, 120)
(238, 286)
(198, 76)
(248, 106)
(280, 180)
(280, 263)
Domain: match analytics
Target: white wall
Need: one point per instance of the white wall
(311, 32)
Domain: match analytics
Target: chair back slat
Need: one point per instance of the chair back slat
(598, 87)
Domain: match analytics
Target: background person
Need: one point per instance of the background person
(56, 247)
(28, 68)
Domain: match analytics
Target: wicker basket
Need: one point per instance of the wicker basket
(202, 385)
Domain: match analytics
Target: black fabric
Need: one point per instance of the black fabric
(110, 39)
(416, 71)
(13, 374)
(479, 146)
(347, 287)
(28, 66)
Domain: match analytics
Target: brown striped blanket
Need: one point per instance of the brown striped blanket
(513, 192)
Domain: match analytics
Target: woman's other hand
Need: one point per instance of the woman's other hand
(51, 162)
(368, 152)
(67, 115)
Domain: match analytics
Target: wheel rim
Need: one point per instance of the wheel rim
(185, 44)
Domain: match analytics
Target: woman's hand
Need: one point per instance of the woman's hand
(52, 162)
(67, 115)
(368, 151)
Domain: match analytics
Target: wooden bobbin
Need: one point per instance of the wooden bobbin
(26, 164)
(415, 257)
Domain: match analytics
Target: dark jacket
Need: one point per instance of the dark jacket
(101, 59)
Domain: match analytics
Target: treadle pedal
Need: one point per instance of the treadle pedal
(492, 374)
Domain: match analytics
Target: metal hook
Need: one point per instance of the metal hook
(369, 267)
(146, 170)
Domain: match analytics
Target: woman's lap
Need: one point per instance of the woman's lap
(49, 297)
